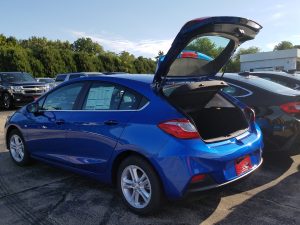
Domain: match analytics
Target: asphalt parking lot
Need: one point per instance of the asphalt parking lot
(41, 194)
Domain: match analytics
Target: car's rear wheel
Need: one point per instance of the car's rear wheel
(17, 148)
(7, 101)
(139, 185)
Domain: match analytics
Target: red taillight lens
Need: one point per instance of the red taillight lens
(180, 128)
(250, 114)
(197, 178)
(291, 107)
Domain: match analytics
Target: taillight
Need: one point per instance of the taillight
(198, 177)
(291, 107)
(180, 128)
(250, 114)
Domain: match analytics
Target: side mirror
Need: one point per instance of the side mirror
(33, 107)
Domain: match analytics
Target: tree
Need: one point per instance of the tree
(52, 61)
(84, 62)
(234, 64)
(205, 46)
(87, 45)
(283, 45)
(14, 58)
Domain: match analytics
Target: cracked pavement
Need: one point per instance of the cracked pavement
(42, 194)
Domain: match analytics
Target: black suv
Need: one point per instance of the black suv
(18, 89)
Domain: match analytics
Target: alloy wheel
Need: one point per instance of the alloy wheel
(16, 148)
(136, 186)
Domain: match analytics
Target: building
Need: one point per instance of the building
(287, 60)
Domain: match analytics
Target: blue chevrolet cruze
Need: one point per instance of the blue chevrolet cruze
(151, 136)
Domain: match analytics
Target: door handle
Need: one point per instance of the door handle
(111, 122)
(59, 122)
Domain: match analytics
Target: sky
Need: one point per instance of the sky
(142, 27)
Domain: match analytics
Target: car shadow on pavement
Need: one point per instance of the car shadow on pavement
(279, 204)
(41, 194)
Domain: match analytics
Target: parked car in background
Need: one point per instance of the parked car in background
(286, 79)
(69, 76)
(277, 107)
(18, 89)
(49, 82)
(104, 126)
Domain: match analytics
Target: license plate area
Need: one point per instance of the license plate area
(243, 165)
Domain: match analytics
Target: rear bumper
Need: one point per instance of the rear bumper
(217, 161)
(216, 185)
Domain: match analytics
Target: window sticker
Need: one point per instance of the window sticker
(99, 98)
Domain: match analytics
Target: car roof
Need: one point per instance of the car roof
(143, 78)
(261, 83)
(278, 73)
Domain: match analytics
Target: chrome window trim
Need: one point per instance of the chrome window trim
(115, 110)
(240, 96)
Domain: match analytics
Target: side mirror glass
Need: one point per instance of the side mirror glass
(33, 107)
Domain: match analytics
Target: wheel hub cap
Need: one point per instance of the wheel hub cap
(16, 148)
(136, 186)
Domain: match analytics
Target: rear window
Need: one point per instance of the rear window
(263, 84)
(60, 78)
(17, 77)
(73, 76)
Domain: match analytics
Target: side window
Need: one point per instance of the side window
(73, 76)
(106, 96)
(64, 98)
(103, 96)
(235, 91)
(130, 101)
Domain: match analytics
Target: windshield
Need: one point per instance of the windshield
(197, 55)
(60, 78)
(17, 77)
(46, 80)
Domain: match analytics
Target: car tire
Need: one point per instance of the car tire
(143, 193)
(7, 101)
(17, 148)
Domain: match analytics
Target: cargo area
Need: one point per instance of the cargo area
(215, 117)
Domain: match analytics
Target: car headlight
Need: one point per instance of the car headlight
(16, 89)
(47, 87)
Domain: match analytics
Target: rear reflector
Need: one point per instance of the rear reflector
(197, 178)
(180, 128)
(291, 107)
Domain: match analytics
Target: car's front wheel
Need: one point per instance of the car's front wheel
(7, 101)
(139, 185)
(17, 148)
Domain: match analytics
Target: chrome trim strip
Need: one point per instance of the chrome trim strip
(228, 182)
(78, 110)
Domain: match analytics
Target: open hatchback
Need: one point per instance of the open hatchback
(184, 75)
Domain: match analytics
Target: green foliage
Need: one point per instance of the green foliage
(283, 45)
(14, 58)
(205, 46)
(46, 58)
(234, 63)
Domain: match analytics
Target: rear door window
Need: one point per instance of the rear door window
(108, 96)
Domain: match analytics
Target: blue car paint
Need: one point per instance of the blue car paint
(175, 160)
